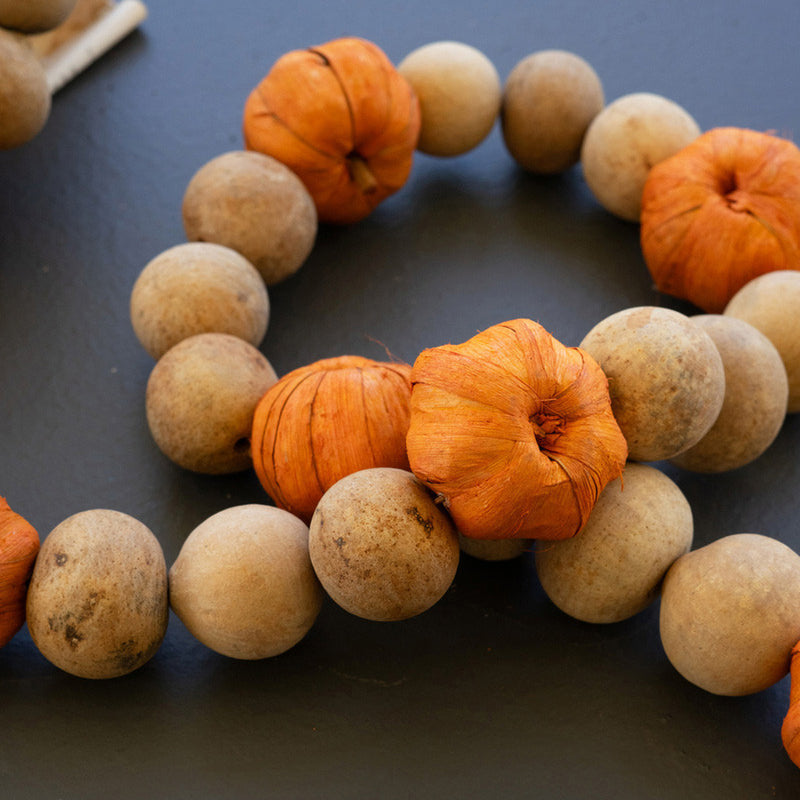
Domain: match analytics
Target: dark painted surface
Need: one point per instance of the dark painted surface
(493, 692)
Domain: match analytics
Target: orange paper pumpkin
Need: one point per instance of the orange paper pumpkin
(720, 212)
(514, 432)
(790, 729)
(19, 546)
(343, 119)
(326, 420)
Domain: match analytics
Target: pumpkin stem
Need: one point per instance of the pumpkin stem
(361, 174)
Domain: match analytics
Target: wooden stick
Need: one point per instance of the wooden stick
(63, 62)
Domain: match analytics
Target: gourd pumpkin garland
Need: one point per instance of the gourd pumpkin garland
(512, 433)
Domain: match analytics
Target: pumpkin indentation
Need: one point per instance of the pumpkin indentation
(547, 427)
(737, 201)
(728, 184)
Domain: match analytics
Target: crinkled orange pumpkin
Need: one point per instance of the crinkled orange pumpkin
(343, 119)
(790, 729)
(326, 420)
(19, 546)
(720, 212)
(514, 432)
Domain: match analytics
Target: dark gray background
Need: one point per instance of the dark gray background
(493, 692)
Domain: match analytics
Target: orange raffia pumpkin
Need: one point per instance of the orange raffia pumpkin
(790, 729)
(19, 546)
(343, 119)
(326, 420)
(720, 212)
(514, 432)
